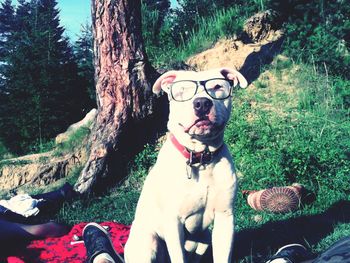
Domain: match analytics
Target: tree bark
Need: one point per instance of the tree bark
(123, 80)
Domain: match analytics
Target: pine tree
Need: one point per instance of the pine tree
(83, 51)
(156, 10)
(41, 77)
(6, 29)
(6, 24)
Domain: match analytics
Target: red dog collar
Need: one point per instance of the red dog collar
(192, 157)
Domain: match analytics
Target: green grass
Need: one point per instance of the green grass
(291, 125)
(224, 23)
(119, 203)
(73, 142)
(295, 129)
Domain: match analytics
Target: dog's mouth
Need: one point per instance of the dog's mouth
(203, 123)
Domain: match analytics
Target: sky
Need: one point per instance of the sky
(74, 13)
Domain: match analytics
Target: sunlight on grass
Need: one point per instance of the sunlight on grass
(284, 133)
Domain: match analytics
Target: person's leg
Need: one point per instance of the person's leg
(14, 235)
(57, 197)
(337, 253)
(50, 229)
(13, 232)
(21, 232)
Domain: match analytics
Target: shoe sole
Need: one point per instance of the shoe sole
(284, 259)
(108, 237)
(290, 245)
(279, 200)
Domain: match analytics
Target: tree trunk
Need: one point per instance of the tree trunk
(123, 80)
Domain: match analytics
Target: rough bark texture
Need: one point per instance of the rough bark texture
(123, 84)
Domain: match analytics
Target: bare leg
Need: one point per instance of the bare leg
(50, 229)
(14, 232)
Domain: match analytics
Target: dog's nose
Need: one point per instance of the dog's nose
(202, 106)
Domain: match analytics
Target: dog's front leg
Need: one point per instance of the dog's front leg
(222, 237)
(175, 239)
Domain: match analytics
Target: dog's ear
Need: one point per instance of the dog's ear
(234, 75)
(164, 81)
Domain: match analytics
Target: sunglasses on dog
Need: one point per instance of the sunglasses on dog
(216, 88)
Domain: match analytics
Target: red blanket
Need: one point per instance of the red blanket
(58, 250)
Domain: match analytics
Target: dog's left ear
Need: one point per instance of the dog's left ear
(164, 81)
(234, 75)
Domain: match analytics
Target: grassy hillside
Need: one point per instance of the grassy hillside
(290, 125)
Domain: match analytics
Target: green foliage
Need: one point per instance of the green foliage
(293, 127)
(154, 15)
(317, 31)
(4, 152)
(277, 138)
(190, 15)
(41, 146)
(75, 140)
(118, 206)
(294, 130)
(156, 31)
(7, 13)
(43, 93)
(222, 23)
(83, 52)
(118, 203)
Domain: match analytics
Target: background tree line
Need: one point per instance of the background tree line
(46, 82)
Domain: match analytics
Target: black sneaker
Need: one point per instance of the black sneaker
(292, 253)
(97, 241)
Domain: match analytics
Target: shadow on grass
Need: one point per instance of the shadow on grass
(307, 230)
(262, 241)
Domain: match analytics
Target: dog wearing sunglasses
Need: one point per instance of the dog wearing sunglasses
(193, 183)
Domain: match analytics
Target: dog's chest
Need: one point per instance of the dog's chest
(193, 199)
(197, 207)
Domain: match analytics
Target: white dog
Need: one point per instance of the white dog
(193, 182)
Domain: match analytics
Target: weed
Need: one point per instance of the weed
(261, 84)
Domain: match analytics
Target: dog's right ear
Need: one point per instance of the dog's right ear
(164, 81)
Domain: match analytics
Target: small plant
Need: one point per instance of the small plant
(261, 84)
